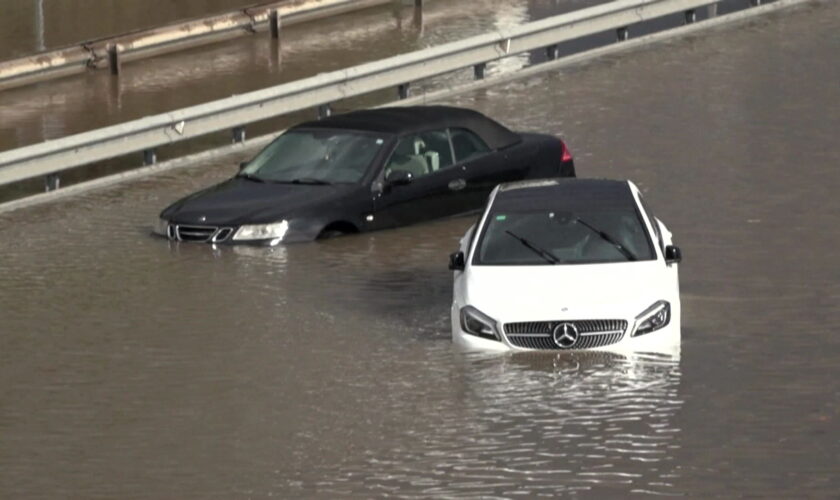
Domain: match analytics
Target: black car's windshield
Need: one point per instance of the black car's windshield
(315, 157)
(589, 236)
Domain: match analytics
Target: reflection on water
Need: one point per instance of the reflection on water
(537, 424)
(135, 367)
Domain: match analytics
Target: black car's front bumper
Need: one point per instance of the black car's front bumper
(299, 231)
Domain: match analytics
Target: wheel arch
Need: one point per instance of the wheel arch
(336, 228)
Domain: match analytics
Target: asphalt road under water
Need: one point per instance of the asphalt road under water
(132, 367)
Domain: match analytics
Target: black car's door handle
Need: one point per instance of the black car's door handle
(457, 184)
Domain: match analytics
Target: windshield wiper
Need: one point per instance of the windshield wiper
(609, 239)
(310, 180)
(545, 254)
(251, 177)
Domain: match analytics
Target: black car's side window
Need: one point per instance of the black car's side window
(421, 154)
(467, 145)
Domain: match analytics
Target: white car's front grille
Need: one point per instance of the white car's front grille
(574, 334)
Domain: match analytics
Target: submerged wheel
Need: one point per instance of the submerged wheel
(329, 233)
(337, 229)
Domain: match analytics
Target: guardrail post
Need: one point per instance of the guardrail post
(51, 182)
(239, 134)
(690, 16)
(324, 111)
(622, 34)
(149, 157)
(418, 12)
(755, 3)
(404, 90)
(552, 52)
(274, 24)
(478, 71)
(114, 58)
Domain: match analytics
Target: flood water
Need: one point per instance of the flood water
(57, 108)
(131, 367)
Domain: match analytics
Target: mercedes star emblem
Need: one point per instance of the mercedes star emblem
(565, 335)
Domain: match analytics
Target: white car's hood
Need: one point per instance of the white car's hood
(583, 291)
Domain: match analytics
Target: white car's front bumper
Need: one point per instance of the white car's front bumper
(666, 339)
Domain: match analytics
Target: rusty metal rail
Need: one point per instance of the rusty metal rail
(112, 52)
(233, 113)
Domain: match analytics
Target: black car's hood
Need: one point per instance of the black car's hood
(243, 201)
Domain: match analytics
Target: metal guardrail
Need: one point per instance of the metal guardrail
(112, 52)
(233, 113)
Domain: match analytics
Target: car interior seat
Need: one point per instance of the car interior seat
(409, 158)
(415, 164)
(432, 160)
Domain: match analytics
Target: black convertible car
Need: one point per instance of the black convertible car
(365, 170)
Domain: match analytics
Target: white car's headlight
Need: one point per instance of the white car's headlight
(274, 231)
(653, 318)
(161, 226)
(479, 324)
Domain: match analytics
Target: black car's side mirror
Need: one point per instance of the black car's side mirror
(398, 178)
(673, 255)
(243, 165)
(456, 261)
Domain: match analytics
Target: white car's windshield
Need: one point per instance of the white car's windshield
(315, 157)
(550, 237)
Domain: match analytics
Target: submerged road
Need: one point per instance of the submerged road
(132, 367)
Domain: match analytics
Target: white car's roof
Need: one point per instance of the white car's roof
(561, 194)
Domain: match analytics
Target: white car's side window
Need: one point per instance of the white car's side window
(466, 240)
(654, 222)
(667, 237)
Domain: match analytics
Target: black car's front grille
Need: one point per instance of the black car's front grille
(222, 234)
(194, 233)
(591, 333)
(187, 232)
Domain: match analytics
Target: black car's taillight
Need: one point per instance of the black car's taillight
(566, 155)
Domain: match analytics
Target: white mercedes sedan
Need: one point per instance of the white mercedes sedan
(566, 264)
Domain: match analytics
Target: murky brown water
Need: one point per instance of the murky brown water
(130, 367)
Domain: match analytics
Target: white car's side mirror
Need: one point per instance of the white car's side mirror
(456, 261)
(673, 255)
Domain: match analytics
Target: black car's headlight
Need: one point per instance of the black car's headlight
(653, 318)
(479, 324)
(250, 232)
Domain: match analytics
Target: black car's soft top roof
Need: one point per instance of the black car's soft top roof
(565, 194)
(414, 119)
